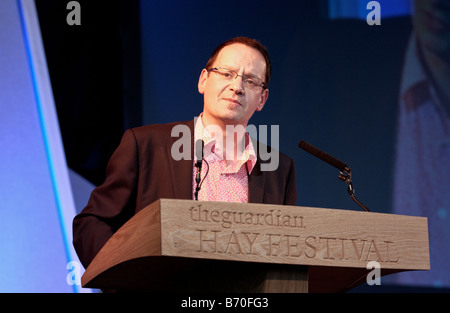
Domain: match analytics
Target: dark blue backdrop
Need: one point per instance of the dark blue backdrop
(335, 83)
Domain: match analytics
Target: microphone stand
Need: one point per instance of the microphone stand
(346, 176)
(345, 172)
(198, 165)
(198, 179)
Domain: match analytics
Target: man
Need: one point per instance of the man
(144, 167)
(422, 169)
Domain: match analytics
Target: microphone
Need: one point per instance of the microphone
(345, 172)
(199, 145)
(324, 156)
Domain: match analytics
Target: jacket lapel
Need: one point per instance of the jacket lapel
(256, 179)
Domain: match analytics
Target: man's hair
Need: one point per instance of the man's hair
(252, 43)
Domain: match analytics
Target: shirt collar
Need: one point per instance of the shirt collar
(413, 71)
(214, 151)
(416, 88)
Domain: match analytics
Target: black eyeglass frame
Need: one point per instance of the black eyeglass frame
(216, 70)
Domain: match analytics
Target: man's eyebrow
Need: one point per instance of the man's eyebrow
(234, 69)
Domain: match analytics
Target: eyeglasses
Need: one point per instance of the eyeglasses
(225, 74)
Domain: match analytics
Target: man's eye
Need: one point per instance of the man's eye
(250, 82)
(227, 74)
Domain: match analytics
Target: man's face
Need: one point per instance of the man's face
(432, 24)
(230, 102)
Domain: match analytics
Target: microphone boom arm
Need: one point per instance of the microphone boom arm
(345, 172)
(346, 176)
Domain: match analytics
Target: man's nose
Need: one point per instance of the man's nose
(237, 85)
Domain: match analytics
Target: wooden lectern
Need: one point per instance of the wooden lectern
(199, 246)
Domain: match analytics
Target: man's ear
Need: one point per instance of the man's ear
(263, 99)
(202, 81)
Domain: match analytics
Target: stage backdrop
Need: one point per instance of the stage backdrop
(339, 81)
(359, 88)
(36, 202)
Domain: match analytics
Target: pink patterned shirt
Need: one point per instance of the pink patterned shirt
(224, 181)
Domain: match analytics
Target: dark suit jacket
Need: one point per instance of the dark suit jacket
(142, 171)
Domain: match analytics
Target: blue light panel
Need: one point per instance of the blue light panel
(36, 203)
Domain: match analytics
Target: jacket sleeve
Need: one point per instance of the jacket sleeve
(111, 204)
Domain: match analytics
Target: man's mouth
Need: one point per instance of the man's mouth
(232, 100)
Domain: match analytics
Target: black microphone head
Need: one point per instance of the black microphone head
(324, 156)
(199, 145)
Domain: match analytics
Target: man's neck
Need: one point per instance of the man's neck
(233, 137)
